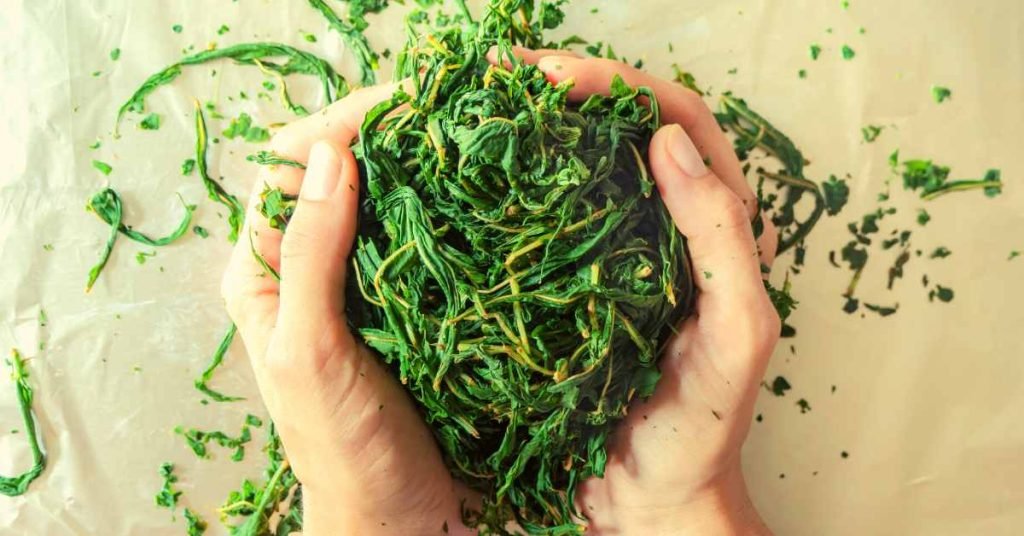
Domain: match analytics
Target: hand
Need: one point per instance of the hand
(674, 462)
(366, 461)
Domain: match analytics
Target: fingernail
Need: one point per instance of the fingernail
(550, 64)
(684, 153)
(321, 173)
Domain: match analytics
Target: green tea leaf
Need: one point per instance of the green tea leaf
(151, 122)
(103, 167)
(13, 486)
(216, 192)
(255, 54)
(202, 382)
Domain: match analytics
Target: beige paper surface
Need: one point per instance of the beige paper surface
(928, 403)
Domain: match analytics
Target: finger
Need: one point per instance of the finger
(316, 246)
(528, 55)
(250, 293)
(338, 124)
(768, 243)
(678, 105)
(719, 236)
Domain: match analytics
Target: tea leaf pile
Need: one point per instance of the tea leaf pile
(514, 265)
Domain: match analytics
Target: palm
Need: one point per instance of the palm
(689, 432)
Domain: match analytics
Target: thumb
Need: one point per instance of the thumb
(719, 235)
(319, 237)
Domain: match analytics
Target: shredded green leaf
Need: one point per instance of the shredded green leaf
(13, 486)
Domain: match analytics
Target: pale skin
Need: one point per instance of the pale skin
(367, 461)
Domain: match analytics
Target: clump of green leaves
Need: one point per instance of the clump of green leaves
(931, 180)
(257, 503)
(12, 486)
(168, 496)
(243, 127)
(515, 266)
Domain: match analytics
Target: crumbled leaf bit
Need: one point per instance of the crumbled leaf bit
(13, 486)
(804, 405)
(198, 440)
(882, 310)
(944, 294)
(1015, 254)
(194, 525)
(223, 29)
(151, 122)
(491, 200)
(141, 256)
(243, 127)
(103, 167)
(871, 132)
(848, 53)
(115, 54)
(188, 166)
(802, 73)
(815, 52)
(107, 205)
(837, 193)
(923, 217)
(779, 386)
(201, 231)
(781, 299)
(167, 497)
(177, 28)
(941, 94)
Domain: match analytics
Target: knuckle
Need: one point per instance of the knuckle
(691, 99)
(295, 244)
(767, 329)
(285, 141)
(732, 211)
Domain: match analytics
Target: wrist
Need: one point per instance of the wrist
(326, 515)
(720, 508)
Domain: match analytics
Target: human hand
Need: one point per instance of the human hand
(674, 462)
(366, 460)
